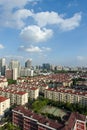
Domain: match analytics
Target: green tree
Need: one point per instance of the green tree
(11, 81)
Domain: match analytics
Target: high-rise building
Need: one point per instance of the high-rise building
(15, 64)
(28, 63)
(15, 73)
(46, 66)
(9, 74)
(2, 66)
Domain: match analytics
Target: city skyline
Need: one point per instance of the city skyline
(46, 31)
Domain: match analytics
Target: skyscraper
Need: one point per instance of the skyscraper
(46, 66)
(2, 66)
(28, 63)
(15, 64)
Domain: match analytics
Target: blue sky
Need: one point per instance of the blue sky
(47, 31)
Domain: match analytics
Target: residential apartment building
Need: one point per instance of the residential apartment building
(28, 120)
(3, 82)
(76, 121)
(4, 105)
(26, 72)
(22, 98)
(16, 97)
(33, 92)
(42, 87)
(66, 95)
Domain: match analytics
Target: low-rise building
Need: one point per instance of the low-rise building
(33, 92)
(4, 105)
(28, 120)
(3, 82)
(16, 97)
(22, 98)
(76, 121)
(66, 95)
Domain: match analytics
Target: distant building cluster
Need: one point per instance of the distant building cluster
(14, 69)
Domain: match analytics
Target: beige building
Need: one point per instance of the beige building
(33, 92)
(66, 95)
(16, 97)
(42, 87)
(4, 105)
(22, 98)
(67, 83)
(3, 82)
(20, 80)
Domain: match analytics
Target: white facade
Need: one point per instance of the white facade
(80, 125)
(26, 72)
(22, 98)
(33, 93)
(15, 73)
(4, 105)
(15, 64)
(3, 82)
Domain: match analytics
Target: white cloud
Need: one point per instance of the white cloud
(11, 4)
(81, 58)
(21, 15)
(13, 13)
(1, 46)
(71, 23)
(15, 4)
(34, 49)
(16, 19)
(46, 18)
(35, 34)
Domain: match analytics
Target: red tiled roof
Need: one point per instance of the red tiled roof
(72, 120)
(21, 93)
(33, 88)
(41, 119)
(2, 99)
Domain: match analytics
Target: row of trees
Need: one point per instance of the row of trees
(41, 102)
(38, 104)
(69, 106)
(9, 126)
